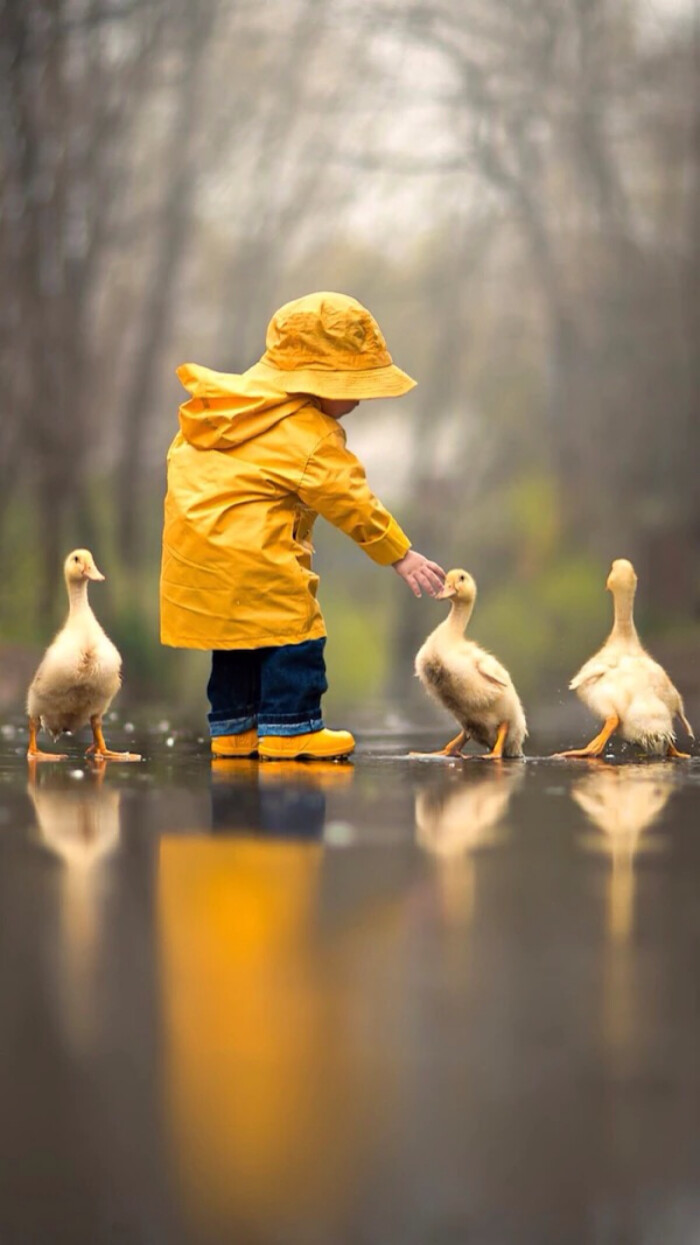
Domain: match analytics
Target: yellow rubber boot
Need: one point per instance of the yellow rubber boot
(243, 745)
(322, 745)
(322, 775)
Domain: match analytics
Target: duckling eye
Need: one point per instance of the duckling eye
(76, 558)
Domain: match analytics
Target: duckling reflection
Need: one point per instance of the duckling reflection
(456, 819)
(79, 823)
(283, 798)
(623, 802)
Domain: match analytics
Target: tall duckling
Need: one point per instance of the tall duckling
(80, 673)
(625, 686)
(468, 681)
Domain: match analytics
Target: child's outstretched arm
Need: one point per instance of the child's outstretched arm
(420, 573)
(334, 485)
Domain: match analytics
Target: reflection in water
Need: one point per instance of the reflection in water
(458, 818)
(265, 1092)
(623, 802)
(79, 823)
(284, 798)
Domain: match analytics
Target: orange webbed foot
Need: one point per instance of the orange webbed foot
(106, 754)
(578, 753)
(673, 753)
(34, 753)
(99, 750)
(496, 753)
(596, 746)
(451, 749)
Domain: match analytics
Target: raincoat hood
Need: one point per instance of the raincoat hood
(228, 408)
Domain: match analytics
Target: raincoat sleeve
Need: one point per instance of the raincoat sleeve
(334, 485)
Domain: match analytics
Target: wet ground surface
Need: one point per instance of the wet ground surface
(394, 1001)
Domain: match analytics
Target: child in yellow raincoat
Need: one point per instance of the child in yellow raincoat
(257, 457)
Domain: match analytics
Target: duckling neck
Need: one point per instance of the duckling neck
(78, 597)
(458, 617)
(623, 626)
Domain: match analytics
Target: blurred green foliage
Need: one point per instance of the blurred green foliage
(20, 556)
(358, 652)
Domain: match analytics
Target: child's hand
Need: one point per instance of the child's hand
(419, 572)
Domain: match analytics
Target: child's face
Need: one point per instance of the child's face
(337, 407)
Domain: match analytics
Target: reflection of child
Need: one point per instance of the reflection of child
(257, 457)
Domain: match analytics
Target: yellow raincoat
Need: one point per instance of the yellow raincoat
(248, 472)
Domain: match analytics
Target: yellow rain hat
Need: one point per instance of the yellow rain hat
(330, 346)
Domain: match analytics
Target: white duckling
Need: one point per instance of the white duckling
(468, 681)
(624, 686)
(80, 672)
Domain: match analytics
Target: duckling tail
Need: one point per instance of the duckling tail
(648, 722)
(656, 745)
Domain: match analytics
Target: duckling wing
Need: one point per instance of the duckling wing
(492, 671)
(54, 696)
(73, 669)
(54, 674)
(660, 685)
(591, 672)
(675, 702)
(455, 679)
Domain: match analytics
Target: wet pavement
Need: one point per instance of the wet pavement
(401, 1000)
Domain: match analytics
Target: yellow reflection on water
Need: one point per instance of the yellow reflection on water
(456, 820)
(78, 821)
(263, 1089)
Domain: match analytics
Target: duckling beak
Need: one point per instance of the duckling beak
(446, 594)
(93, 573)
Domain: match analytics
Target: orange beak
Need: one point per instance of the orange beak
(446, 594)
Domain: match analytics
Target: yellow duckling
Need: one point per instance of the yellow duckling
(468, 681)
(625, 686)
(80, 672)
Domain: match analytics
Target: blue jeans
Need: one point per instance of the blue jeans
(245, 804)
(277, 690)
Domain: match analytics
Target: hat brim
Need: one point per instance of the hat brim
(378, 382)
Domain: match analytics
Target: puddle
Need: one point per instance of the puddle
(393, 999)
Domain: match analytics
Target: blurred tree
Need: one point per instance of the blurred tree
(60, 166)
(556, 108)
(170, 223)
(512, 185)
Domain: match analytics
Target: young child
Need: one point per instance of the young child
(257, 457)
